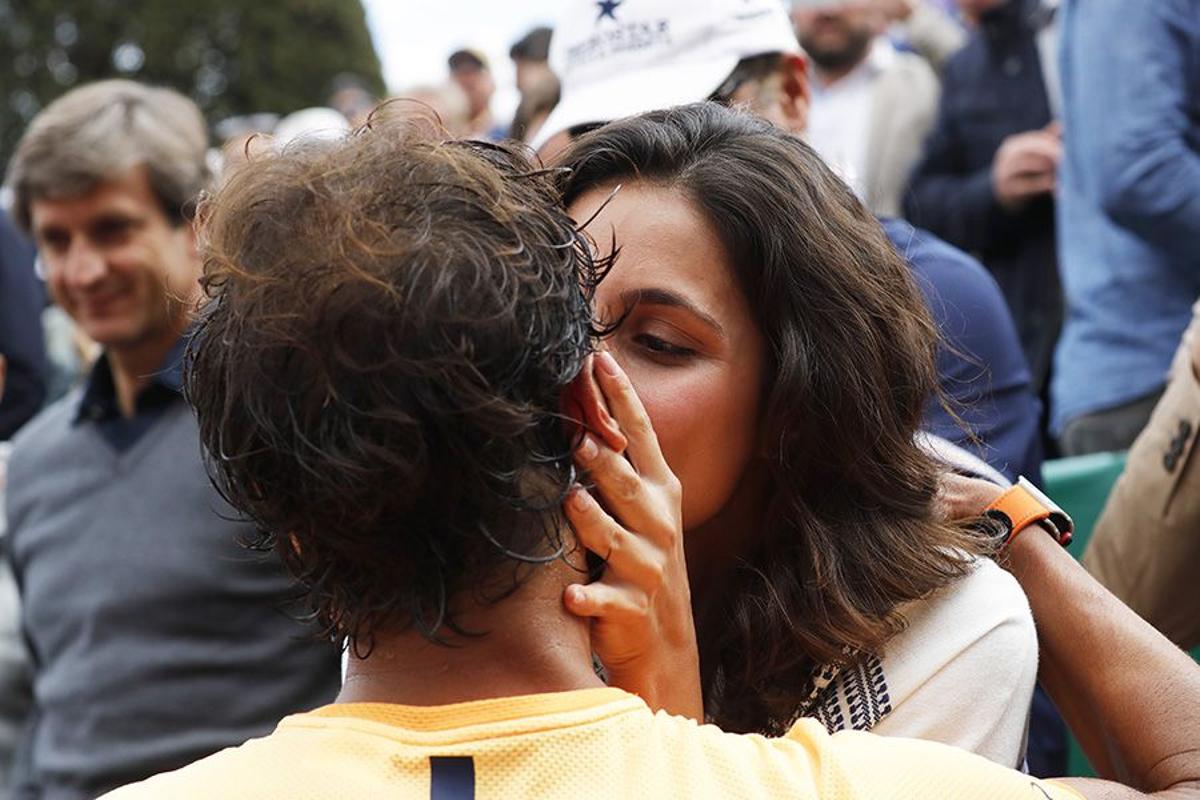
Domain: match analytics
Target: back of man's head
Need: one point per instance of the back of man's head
(378, 374)
(100, 131)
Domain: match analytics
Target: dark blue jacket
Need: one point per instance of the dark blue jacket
(21, 302)
(980, 366)
(991, 89)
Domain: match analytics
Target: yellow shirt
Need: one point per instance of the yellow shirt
(585, 744)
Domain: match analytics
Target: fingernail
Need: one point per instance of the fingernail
(608, 363)
(588, 449)
(575, 594)
(578, 499)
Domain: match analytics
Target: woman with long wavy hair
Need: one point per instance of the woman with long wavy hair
(785, 356)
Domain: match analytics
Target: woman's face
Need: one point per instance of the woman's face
(690, 343)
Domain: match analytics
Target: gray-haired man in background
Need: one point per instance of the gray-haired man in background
(155, 637)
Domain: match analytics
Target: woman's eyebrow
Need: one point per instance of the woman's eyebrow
(655, 296)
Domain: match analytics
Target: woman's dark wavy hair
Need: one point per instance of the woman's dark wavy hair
(849, 533)
(377, 372)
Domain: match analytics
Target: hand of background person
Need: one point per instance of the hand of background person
(640, 608)
(896, 10)
(1026, 166)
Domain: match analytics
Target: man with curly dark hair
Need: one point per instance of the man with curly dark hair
(379, 378)
(404, 320)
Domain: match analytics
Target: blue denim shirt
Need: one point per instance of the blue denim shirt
(1129, 202)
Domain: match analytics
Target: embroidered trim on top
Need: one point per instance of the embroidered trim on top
(854, 698)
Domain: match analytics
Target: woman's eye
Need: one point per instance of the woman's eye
(662, 347)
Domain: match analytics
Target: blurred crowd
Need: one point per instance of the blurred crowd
(1035, 163)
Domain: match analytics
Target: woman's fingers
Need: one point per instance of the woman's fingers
(624, 492)
(625, 554)
(626, 407)
(601, 600)
(599, 415)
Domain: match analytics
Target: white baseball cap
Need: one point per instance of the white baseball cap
(616, 58)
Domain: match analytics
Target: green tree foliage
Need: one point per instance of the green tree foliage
(231, 56)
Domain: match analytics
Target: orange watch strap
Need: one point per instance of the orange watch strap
(1020, 507)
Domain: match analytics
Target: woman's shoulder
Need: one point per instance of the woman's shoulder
(964, 669)
(987, 591)
(962, 672)
(984, 614)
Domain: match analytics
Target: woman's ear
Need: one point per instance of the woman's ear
(584, 405)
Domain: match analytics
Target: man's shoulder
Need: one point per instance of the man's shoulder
(865, 765)
(913, 70)
(309, 757)
(957, 287)
(972, 67)
(229, 774)
(939, 260)
(280, 764)
(52, 425)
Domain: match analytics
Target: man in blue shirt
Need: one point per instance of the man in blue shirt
(1129, 212)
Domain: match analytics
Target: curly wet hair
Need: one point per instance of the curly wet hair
(391, 320)
(849, 533)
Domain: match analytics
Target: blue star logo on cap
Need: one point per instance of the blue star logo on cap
(608, 8)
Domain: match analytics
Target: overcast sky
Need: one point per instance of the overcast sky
(414, 37)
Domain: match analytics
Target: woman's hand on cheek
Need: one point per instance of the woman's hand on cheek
(640, 607)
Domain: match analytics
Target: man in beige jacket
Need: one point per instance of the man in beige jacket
(872, 105)
(1146, 548)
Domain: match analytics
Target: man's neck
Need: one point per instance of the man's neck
(532, 645)
(133, 365)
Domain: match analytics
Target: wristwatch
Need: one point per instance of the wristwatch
(1022, 505)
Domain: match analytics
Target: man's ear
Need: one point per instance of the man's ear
(793, 80)
(584, 405)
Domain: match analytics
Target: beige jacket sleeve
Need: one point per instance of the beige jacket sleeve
(932, 33)
(903, 111)
(1146, 548)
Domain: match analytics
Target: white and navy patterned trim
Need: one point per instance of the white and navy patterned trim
(851, 698)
